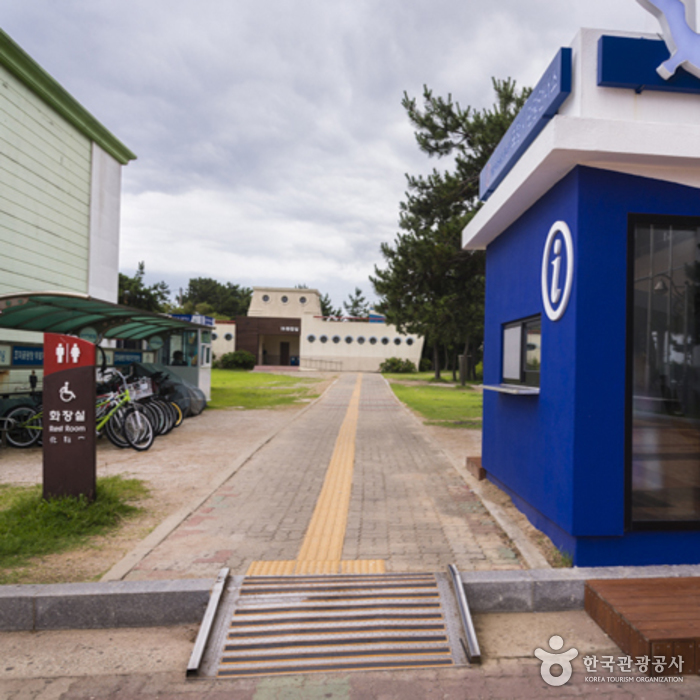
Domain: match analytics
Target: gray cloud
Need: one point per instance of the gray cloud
(271, 140)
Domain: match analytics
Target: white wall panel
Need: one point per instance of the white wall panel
(104, 226)
(45, 166)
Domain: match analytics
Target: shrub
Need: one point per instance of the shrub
(240, 359)
(426, 364)
(397, 365)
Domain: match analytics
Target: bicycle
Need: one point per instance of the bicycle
(124, 421)
(116, 414)
(23, 426)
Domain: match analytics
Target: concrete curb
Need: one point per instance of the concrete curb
(103, 605)
(147, 545)
(183, 601)
(550, 590)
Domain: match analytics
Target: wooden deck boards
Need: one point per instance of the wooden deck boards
(650, 617)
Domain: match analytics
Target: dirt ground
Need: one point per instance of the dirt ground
(180, 468)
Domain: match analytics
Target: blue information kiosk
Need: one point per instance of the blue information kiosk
(592, 342)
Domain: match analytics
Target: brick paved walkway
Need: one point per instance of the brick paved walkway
(408, 507)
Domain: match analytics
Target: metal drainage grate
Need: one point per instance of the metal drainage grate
(302, 624)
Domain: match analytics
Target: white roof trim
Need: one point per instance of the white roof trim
(639, 148)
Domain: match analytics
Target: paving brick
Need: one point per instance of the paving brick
(408, 504)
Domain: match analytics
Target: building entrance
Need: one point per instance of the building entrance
(284, 353)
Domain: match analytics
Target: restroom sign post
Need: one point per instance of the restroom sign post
(69, 417)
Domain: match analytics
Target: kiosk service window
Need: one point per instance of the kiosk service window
(522, 341)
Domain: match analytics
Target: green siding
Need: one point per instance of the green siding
(32, 75)
(45, 165)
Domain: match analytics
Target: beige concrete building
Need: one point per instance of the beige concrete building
(223, 338)
(284, 326)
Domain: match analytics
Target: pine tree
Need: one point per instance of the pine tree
(356, 305)
(327, 308)
(133, 292)
(430, 286)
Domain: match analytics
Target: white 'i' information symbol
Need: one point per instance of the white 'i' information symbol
(554, 298)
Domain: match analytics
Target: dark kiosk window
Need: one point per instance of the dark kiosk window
(522, 353)
(663, 390)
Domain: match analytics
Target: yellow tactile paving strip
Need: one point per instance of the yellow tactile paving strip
(322, 548)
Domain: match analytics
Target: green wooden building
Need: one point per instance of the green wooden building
(60, 191)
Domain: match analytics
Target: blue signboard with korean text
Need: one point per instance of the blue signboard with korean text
(27, 356)
(544, 102)
(194, 318)
(124, 357)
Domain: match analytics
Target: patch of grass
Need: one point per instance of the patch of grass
(440, 405)
(427, 378)
(250, 390)
(31, 526)
(419, 377)
(465, 424)
(8, 493)
(562, 560)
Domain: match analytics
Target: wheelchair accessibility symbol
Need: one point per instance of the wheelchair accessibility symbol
(562, 660)
(66, 394)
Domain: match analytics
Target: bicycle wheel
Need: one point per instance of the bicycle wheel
(167, 413)
(154, 415)
(39, 419)
(179, 416)
(162, 424)
(138, 430)
(114, 429)
(24, 426)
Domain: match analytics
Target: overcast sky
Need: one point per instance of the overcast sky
(272, 146)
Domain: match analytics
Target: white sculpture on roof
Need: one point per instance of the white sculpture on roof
(681, 39)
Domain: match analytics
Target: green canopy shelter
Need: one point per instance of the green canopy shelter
(69, 313)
